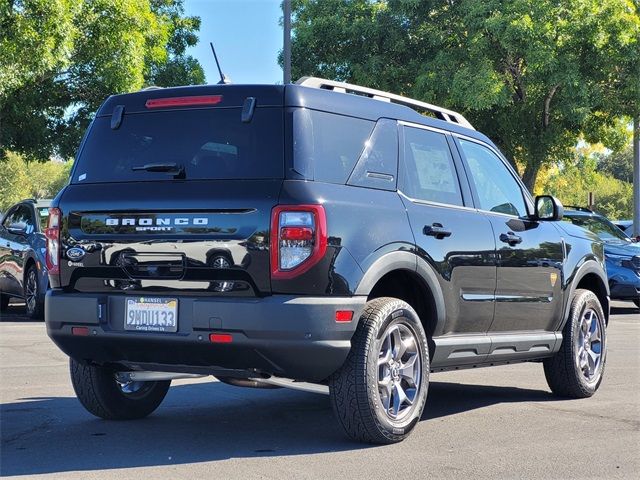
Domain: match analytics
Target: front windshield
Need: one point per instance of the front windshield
(602, 227)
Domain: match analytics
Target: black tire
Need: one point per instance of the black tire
(33, 296)
(563, 372)
(4, 302)
(102, 396)
(354, 389)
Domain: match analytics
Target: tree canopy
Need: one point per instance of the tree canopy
(531, 74)
(573, 180)
(618, 164)
(59, 59)
(21, 179)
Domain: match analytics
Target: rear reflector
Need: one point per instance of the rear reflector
(344, 315)
(183, 101)
(80, 331)
(220, 338)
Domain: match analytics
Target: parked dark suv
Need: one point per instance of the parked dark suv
(23, 272)
(319, 235)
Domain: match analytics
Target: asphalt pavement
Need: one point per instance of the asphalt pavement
(499, 422)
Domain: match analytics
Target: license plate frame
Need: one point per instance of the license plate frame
(151, 314)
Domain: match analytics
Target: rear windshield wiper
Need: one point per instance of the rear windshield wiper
(175, 168)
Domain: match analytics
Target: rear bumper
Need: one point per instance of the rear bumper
(293, 337)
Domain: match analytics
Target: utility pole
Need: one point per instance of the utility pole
(636, 176)
(287, 41)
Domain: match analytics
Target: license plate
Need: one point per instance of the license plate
(151, 314)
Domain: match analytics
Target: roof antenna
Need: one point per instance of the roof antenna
(223, 78)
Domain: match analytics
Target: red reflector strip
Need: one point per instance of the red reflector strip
(344, 315)
(296, 233)
(80, 331)
(220, 338)
(183, 101)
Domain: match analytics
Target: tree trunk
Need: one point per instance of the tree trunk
(531, 174)
(636, 176)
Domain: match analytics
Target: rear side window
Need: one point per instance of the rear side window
(430, 173)
(378, 164)
(326, 146)
(209, 143)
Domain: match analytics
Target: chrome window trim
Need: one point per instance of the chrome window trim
(435, 204)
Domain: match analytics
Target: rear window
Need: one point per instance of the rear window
(208, 143)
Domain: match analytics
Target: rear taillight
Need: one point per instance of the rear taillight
(298, 239)
(52, 232)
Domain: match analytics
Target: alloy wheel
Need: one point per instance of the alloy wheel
(31, 290)
(589, 346)
(399, 371)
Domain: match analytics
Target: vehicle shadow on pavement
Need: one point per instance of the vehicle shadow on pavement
(200, 423)
(16, 313)
(626, 310)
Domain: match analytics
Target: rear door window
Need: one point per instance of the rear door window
(208, 143)
(430, 173)
(11, 217)
(21, 216)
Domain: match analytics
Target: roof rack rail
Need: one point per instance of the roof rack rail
(576, 207)
(441, 113)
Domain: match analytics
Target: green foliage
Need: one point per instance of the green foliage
(59, 60)
(619, 164)
(572, 183)
(179, 68)
(22, 179)
(532, 74)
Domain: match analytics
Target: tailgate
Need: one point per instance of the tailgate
(208, 236)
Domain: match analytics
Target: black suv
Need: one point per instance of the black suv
(319, 235)
(23, 271)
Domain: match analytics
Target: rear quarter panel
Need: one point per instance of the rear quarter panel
(363, 224)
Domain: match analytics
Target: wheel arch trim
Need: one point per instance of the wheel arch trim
(590, 266)
(404, 260)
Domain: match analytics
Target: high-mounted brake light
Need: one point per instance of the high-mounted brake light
(52, 233)
(298, 239)
(194, 100)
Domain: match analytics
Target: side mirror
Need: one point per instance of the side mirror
(548, 208)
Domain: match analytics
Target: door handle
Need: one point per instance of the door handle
(436, 230)
(510, 238)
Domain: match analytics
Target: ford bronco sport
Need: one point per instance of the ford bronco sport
(317, 235)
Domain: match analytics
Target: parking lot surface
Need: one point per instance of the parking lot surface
(497, 422)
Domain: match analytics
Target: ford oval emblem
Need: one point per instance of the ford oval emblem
(75, 254)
